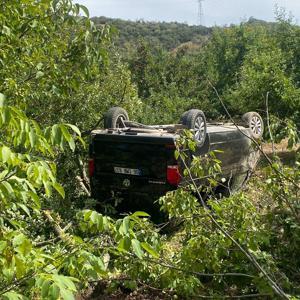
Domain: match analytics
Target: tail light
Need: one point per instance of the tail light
(91, 167)
(173, 175)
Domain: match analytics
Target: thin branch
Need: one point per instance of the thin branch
(46, 243)
(169, 266)
(82, 185)
(275, 287)
(268, 123)
(8, 176)
(124, 92)
(15, 284)
(61, 233)
(278, 172)
(256, 296)
(87, 132)
(253, 140)
(82, 168)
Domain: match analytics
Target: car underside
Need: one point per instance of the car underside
(132, 165)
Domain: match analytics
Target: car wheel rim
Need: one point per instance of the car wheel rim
(199, 129)
(256, 125)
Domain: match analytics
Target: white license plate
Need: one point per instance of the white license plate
(127, 171)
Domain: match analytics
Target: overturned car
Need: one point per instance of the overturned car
(131, 164)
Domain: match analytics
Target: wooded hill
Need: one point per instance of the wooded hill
(168, 35)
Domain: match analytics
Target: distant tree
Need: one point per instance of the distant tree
(168, 35)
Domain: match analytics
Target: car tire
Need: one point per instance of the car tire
(115, 118)
(195, 120)
(255, 123)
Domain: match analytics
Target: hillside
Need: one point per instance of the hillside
(168, 35)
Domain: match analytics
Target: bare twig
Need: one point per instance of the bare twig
(15, 284)
(61, 233)
(88, 132)
(124, 92)
(82, 168)
(82, 185)
(256, 296)
(8, 176)
(45, 243)
(169, 266)
(268, 123)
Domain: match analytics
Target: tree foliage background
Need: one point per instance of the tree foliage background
(59, 73)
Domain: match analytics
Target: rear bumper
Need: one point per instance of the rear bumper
(129, 200)
(140, 193)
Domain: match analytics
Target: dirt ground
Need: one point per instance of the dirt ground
(281, 149)
(99, 292)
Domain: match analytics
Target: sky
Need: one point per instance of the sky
(216, 12)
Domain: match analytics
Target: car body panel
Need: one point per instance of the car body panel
(148, 153)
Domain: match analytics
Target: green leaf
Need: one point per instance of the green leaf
(99, 222)
(18, 239)
(59, 189)
(54, 292)
(75, 129)
(87, 214)
(125, 225)
(136, 246)
(32, 138)
(124, 244)
(2, 100)
(6, 30)
(3, 245)
(93, 217)
(66, 133)
(56, 134)
(140, 214)
(34, 24)
(6, 116)
(85, 10)
(39, 66)
(6, 153)
(24, 208)
(67, 294)
(150, 250)
(176, 154)
(65, 281)
(12, 296)
(72, 145)
(25, 247)
(45, 288)
(48, 188)
(39, 74)
(8, 188)
(35, 198)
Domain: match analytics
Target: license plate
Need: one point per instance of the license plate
(127, 171)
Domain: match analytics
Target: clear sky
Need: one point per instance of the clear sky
(216, 12)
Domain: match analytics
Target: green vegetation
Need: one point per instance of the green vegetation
(59, 73)
(244, 63)
(169, 35)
